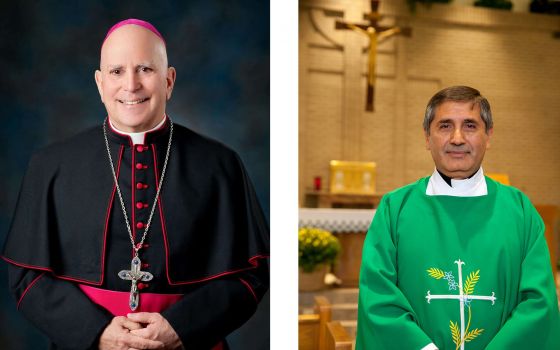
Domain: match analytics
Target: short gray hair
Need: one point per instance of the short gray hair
(458, 94)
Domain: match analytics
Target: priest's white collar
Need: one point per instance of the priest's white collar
(138, 137)
(474, 186)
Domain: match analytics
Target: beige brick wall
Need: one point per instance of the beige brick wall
(510, 57)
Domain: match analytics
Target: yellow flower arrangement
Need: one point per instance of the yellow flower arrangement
(316, 247)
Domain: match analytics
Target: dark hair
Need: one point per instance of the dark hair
(458, 94)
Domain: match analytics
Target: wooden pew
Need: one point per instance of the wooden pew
(549, 214)
(312, 331)
(337, 337)
(308, 332)
(323, 309)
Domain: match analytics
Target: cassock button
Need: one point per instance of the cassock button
(139, 205)
(145, 245)
(139, 166)
(143, 285)
(139, 185)
(139, 148)
(145, 265)
(140, 225)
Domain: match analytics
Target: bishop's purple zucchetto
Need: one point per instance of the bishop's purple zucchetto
(137, 22)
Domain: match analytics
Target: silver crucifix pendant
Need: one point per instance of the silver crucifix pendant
(135, 275)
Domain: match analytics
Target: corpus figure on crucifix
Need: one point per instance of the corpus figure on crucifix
(375, 34)
(374, 38)
(457, 260)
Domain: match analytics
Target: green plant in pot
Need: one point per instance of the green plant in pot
(318, 249)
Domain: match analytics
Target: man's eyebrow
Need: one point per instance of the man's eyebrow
(449, 120)
(120, 66)
(474, 121)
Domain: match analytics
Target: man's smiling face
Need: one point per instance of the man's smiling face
(134, 81)
(458, 139)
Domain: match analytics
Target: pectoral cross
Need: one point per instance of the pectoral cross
(375, 34)
(135, 274)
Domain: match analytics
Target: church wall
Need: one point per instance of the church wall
(512, 58)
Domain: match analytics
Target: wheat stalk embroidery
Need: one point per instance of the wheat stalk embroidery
(455, 332)
(436, 273)
(460, 335)
(471, 282)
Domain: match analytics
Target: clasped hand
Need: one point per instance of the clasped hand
(142, 330)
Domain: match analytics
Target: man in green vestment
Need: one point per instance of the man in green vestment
(457, 260)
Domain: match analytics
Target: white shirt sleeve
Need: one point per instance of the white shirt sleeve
(430, 346)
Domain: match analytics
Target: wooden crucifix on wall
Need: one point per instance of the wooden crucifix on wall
(375, 34)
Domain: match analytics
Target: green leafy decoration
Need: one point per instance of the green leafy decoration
(455, 332)
(473, 334)
(471, 282)
(435, 273)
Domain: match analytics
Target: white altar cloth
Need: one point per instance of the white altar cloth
(336, 220)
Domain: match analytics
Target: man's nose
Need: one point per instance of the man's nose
(457, 137)
(132, 82)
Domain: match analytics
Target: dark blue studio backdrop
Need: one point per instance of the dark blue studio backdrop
(49, 51)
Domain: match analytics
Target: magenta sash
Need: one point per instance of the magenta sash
(117, 302)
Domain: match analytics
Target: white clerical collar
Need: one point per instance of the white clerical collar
(474, 186)
(137, 137)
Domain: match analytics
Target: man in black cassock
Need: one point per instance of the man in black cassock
(139, 233)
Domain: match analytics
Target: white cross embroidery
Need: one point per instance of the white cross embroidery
(462, 299)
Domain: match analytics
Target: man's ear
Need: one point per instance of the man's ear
(99, 83)
(489, 133)
(170, 81)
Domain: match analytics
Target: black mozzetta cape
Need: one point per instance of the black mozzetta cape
(208, 238)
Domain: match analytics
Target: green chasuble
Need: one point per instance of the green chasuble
(461, 272)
